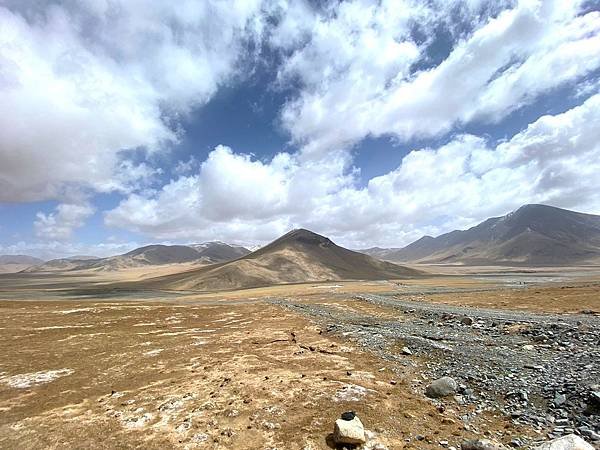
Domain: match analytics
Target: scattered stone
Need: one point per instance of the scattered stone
(184, 426)
(559, 399)
(441, 387)
(569, 442)
(349, 431)
(378, 446)
(482, 444)
(466, 321)
(516, 443)
(406, 351)
(590, 434)
(200, 437)
(271, 425)
(595, 397)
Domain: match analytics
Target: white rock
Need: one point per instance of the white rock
(482, 444)
(349, 431)
(569, 442)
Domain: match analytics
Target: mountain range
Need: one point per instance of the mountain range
(150, 255)
(532, 235)
(297, 257)
(16, 263)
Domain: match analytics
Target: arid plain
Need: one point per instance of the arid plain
(88, 363)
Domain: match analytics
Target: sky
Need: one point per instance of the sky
(128, 122)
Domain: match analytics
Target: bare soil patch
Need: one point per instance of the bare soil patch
(124, 375)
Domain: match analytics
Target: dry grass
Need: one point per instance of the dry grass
(565, 298)
(216, 376)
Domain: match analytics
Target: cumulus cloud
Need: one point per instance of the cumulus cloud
(91, 90)
(434, 190)
(235, 197)
(83, 82)
(59, 225)
(359, 69)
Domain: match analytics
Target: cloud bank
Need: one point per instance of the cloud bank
(92, 95)
(554, 160)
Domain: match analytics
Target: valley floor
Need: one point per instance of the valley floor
(274, 367)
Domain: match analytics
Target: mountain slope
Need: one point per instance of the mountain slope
(20, 259)
(298, 256)
(215, 252)
(149, 255)
(17, 263)
(533, 234)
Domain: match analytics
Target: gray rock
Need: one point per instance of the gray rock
(595, 397)
(591, 434)
(349, 431)
(569, 442)
(466, 321)
(559, 399)
(441, 387)
(482, 444)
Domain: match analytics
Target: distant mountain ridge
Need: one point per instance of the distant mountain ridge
(149, 255)
(297, 257)
(533, 234)
(20, 259)
(17, 263)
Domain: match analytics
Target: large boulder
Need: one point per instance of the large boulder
(441, 387)
(349, 431)
(569, 442)
(482, 444)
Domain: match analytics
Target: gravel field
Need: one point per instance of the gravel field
(539, 369)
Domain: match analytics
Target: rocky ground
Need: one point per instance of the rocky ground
(538, 369)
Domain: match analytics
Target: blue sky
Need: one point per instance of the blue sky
(371, 122)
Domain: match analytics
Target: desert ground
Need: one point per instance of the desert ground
(88, 366)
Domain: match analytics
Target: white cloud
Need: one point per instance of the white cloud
(90, 90)
(235, 198)
(355, 70)
(60, 224)
(433, 190)
(82, 82)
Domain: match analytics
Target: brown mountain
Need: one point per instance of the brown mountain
(16, 263)
(20, 259)
(216, 252)
(298, 256)
(532, 235)
(149, 255)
